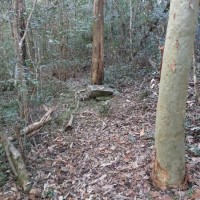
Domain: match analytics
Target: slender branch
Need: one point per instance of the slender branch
(27, 24)
(36, 125)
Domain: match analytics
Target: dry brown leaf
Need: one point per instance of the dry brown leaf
(197, 181)
(196, 195)
(142, 132)
(135, 165)
(126, 159)
(36, 192)
(166, 197)
(101, 148)
(154, 194)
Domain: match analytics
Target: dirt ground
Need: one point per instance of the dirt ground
(108, 153)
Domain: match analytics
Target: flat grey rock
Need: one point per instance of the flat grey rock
(95, 91)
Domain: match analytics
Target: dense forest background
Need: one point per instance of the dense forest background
(59, 43)
(60, 34)
(108, 136)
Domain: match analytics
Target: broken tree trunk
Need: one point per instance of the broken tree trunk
(15, 158)
(17, 164)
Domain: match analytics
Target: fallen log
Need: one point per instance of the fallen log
(17, 164)
(15, 158)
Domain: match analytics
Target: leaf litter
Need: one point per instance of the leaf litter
(106, 157)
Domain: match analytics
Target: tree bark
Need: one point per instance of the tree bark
(22, 27)
(17, 163)
(18, 27)
(131, 29)
(196, 90)
(97, 73)
(169, 167)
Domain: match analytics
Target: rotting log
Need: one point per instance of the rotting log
(15, 158)
(17, 163)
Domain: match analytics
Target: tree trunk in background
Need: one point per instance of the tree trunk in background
(169, 167)
(18, 28)
(22, 27)
(131, 29)
(98, 42)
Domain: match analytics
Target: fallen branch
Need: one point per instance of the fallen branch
(17, 164)
(36, 125)
(27, 24)
(69, 124)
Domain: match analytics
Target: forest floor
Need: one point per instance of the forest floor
(108, 153)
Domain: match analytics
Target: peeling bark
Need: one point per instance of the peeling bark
(97, 71)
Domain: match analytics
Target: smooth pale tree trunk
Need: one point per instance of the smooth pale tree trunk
(97, 74)
(169, 167)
